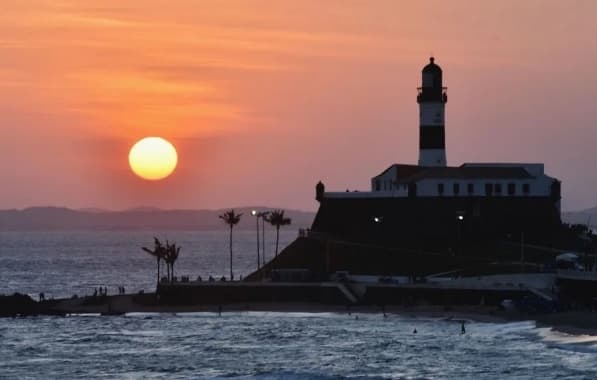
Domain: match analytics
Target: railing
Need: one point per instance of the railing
(308, 233)
(577, 275)
(367, 194)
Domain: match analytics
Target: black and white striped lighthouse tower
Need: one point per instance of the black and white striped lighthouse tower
(432, 98)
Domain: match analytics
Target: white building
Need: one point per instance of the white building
(433, 178)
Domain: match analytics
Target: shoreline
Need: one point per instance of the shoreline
(571, 322)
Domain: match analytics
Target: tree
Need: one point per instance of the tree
(168, 253)
(231, 218)
(159, 252)
(172, 253)
(277, 219)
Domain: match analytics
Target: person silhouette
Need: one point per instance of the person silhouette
(462, 329)
(415, 331)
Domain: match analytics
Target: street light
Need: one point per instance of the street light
(262, 215)
(256, 215)
(522, 249)
(511, 238)
(459, 221)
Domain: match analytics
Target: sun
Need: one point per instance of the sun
(153, 158)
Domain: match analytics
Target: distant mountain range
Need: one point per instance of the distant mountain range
(58, 218)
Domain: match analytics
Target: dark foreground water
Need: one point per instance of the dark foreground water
(285, 346)
(242, 345)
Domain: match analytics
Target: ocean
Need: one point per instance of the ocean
(62, 264)
(242, 345)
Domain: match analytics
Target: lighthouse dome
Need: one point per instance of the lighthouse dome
(432, 67)
(432, 77)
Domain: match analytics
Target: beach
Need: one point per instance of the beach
(569, 322)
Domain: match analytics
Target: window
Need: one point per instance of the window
(498, 188)
(488, 189)
(440, 188)
(511, 189)
(471, 188)
(526, 188)
(456, 188)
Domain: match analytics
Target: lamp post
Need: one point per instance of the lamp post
(255, 214)
(459, 221)
(522, 249)
(262, 215)
(377, 225)
(377, 220)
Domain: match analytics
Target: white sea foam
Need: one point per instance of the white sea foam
(568, 342)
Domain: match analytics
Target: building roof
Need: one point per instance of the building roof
(414, 173)
(402, 170)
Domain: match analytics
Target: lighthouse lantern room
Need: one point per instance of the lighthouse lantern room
(432, 98)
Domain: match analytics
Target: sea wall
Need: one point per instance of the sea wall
(409, 296)
(333, 294)
(23, 305)
(226, 293)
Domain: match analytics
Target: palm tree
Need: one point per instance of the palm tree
(172, 253)
(231, 218)
(277, 219)
(159, 252)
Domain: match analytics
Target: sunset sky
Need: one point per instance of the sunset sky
(264, 98)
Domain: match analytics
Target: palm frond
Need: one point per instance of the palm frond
(153, 253)
(230, 217)
(277, 218)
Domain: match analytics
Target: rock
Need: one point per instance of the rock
(18, 305)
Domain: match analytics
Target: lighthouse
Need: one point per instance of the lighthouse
(432, 98)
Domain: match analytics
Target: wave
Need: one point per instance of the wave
(289, 375)
(569, 342)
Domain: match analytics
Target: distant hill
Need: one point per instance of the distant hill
(58, 218)
(587, 216)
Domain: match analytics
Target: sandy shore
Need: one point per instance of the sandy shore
(577, 323)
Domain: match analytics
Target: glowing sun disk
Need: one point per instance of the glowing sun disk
(153, 158)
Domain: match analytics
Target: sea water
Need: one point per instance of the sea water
(243, 345)
(62, 264)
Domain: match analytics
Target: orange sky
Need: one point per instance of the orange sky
(264, 98)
